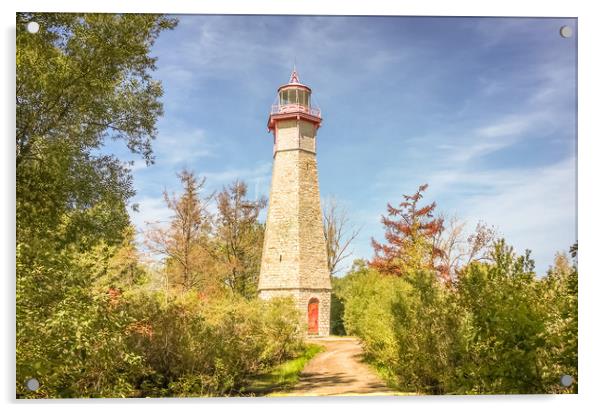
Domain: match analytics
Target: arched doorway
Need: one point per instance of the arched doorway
(312, 316)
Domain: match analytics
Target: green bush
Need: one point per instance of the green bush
(368, 299)
(199, 348)
(406, 327)
(69, 336)
(428, 329)
(558, 293)
(497, 329)
(80, 340)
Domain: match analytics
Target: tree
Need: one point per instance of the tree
(559, 297)
(118, 267)
(185, 241)
(85, 77)
(336, 234)
(239, 238)
(411, 232)
(458, 249)
(81, 79)
(506, 329)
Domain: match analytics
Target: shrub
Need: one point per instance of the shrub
(368, 298)
(69, 335)
(209, 348)
(507, 328)
(497, 329)
(428, 334)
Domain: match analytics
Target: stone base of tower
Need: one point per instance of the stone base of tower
(302, 298)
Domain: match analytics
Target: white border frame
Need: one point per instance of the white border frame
(590, 228)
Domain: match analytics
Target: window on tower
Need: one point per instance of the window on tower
(287, 97)
(294, 97)
(304, 98)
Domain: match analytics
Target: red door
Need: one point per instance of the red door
(312, 316)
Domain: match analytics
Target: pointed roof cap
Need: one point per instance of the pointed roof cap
(294, 80)
(294, 77)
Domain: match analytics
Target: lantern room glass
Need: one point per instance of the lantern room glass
(294, 97)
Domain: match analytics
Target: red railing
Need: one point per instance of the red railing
(294, 108)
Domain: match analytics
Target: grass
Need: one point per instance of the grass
(282, 377)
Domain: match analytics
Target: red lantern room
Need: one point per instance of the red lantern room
(294, 102)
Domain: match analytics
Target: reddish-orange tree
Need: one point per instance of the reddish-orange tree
(411, 233)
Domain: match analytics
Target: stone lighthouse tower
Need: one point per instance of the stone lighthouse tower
(294, 262)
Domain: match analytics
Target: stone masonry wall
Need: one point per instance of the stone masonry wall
(294, 251)
(301, 298)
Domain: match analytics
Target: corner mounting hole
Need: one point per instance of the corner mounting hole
(566, 32)
(32, 384)
(566, 380)
(33, 27)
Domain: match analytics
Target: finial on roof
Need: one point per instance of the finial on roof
(294, 75)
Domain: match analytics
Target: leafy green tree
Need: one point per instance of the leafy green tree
(81, 79)
(368, 299)
(409, 326)
(428, 328)
(558, 296)
(506, 324)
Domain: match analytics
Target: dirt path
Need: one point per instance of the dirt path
(339, 370)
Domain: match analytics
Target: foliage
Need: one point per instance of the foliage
(95, 343)
(239, 238)
(506, 324)
(88, 322)
(558, 293)
(282, 377)
(80, 80)
(430, 337)
(337, 308)
(410, 232)
(85, 77)
(368, 300)
(68, 334)
(185, 241)
(195, 347)
(497, 329)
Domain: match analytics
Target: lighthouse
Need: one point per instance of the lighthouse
(293, 261)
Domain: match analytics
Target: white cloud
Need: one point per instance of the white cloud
(512, 126)
(534, 209)
(232, 47)
(177, 146)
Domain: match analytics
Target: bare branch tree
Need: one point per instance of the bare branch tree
(460, 249)
(338, 234)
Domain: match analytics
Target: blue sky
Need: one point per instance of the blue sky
(482, 109)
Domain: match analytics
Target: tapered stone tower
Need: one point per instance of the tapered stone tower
(294, 262)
